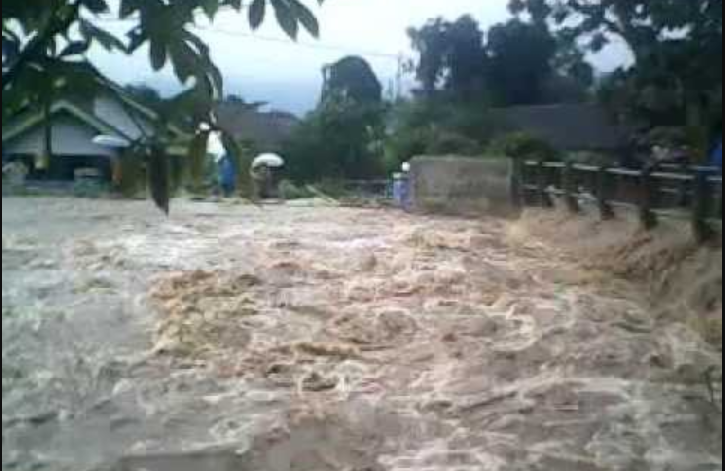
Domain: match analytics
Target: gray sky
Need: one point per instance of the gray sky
(266, 66)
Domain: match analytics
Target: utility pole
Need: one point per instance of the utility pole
(326, 69)
(399, 78)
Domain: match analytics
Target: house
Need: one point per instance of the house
(266, 131)
(568, 127)
(75, 122)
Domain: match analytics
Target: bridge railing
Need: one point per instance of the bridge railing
(660, 191)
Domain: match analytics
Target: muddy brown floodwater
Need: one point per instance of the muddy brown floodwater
(231, 338)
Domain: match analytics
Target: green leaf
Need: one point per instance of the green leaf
(201, 47)
(197, 160)
(192, 58)
(306, 18)
(159, 178)
(186, 61)
(217, 80)
(137, 38)
(286, 17)
(107, 40)
(129, 7)
(75, 48)
(96, 6)
(206, 95)
(158, 54)
(211, 8)
(236, 4)
(52, 47)
(257, 12)
(183, 62)
(599, 42)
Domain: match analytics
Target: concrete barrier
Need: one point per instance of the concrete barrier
(462, 186)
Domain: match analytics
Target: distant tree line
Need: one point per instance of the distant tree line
(515, 63)
(462, 73)
(676, 80)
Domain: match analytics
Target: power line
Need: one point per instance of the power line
(316, 46)
(270, 39)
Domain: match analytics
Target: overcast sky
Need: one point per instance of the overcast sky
(265, 66)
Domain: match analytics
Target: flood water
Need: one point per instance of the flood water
(232, 337)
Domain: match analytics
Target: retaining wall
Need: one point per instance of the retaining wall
(462, 186)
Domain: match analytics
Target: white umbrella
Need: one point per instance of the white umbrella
(111, 141)
(269, 160)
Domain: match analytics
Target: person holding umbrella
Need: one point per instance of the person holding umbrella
(266, 174)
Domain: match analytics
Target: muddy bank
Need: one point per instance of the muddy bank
(679, 278)
(331, 339)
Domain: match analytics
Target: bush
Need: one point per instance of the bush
(427, 141)
(404, 145)
(452, 143)
(521, 145)
(439, 126)
(290, 191)
(333, 188)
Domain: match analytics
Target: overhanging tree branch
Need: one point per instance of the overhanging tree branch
(37, 47)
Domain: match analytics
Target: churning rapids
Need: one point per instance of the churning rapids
(232, 338)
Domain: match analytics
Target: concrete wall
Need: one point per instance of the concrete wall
(462, 186)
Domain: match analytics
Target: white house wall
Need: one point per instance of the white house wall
(70, 137)
(113, 112)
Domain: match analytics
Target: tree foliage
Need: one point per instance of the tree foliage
(343, 137)
(643, 24)
(452, 56)
(466, 58)
(521, 61)
(60, 30)
(522, 145)
(514, 63)
(464, 71)
(353, 77)
(677, 45)
(431, 43)
(436, 126)
(45, 42)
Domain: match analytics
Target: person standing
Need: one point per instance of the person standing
(402, 188)
(227, 175)
(225, 163)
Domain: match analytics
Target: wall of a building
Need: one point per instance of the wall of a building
(462, 186)
(70, 137)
